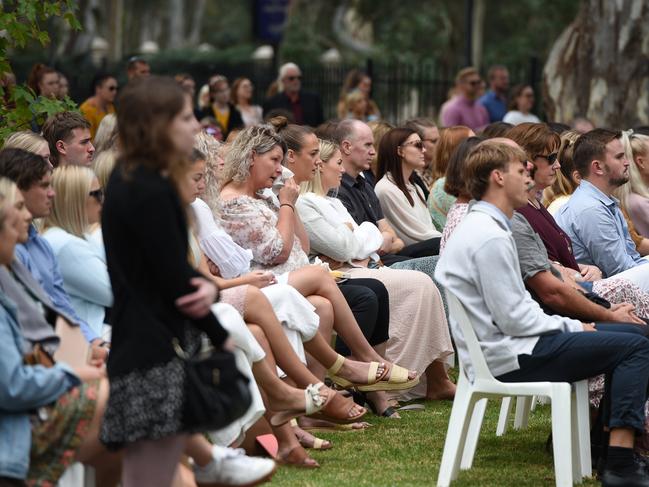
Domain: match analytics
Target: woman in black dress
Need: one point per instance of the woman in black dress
(158, 296)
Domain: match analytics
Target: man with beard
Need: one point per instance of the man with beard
(593, 219)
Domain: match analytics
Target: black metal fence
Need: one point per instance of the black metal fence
(400, 90)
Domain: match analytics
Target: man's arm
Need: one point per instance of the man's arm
(566, 301)
(385, 228)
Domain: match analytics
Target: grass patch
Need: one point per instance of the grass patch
(409, 451)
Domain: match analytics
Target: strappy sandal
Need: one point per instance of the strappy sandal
(314, 402)
(361, 399)
(397, 381)
(332, 373)
(337, 411)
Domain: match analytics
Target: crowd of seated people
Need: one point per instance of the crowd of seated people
(311, 255)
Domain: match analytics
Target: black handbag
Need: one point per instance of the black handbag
(216, 392)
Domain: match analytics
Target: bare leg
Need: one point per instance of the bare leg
(336, 403)
(107, 465)
(281, 396)
(152, 463)
(258, 310)
(311, 280)
(438, 385)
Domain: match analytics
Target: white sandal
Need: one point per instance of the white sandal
(314, 402)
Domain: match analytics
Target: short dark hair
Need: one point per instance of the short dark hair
(59, 127)
(99, 79)
(483, 159)
(22, 167)
(591, 146)
(495, 129)
(454, 183)
(420, 124)
(134, 61)
(558, 127)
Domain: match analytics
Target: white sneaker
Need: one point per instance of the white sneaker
(231, 466)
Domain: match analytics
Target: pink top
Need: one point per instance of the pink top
(462, 111)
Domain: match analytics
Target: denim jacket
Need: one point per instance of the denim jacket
(23, 389)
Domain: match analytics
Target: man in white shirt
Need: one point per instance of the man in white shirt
(519, 341)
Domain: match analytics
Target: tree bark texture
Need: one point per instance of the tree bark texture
(599, 66)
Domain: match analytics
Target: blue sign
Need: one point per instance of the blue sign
(270, 17)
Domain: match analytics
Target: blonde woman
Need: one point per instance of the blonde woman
(635, 194)
(106, 136)
(76, 206)
(419, 337)
(29, 141)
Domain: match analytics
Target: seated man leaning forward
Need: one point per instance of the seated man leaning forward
(592, 217)
(519, 341)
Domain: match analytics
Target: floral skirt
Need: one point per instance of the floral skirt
(147, 404)
(56, 439)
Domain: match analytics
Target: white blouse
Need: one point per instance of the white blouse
(231, 259)
(325, 219)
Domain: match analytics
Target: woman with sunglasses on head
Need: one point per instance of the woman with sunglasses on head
(226, 114)
(401, 152)
(75, 208)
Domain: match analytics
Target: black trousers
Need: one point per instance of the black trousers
(619, 351)
(426, 248)
(369, 302)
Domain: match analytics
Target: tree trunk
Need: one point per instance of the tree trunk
(176, 24)
(194, 35)
(599, 66)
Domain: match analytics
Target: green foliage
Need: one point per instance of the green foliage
(23, 21)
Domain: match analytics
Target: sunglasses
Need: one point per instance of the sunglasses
(474, 82)
(418, 144)
(97, 194)
(551, 158)
(293, 78)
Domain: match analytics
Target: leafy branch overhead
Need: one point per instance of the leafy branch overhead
(22, 22)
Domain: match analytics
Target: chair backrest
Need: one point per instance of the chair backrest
(478, 362)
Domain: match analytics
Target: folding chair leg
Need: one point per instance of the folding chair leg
(474, 434)
(562, 435)
(523, 405)
(582, 427)
(503, 418)
(458, 426)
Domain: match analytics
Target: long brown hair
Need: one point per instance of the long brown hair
(389, 160)
(449, 139)
(146, 109)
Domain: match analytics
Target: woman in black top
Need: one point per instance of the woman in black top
(158, 296)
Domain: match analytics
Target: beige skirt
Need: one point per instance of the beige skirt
(419, 332)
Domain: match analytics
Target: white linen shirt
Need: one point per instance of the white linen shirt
(480, 267)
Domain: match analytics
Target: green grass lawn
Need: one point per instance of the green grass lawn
(409, 451)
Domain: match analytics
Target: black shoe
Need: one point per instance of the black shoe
(639, 478)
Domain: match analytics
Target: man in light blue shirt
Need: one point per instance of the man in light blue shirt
(519, 341)
(495, 100)
(33, 176)
(592, 217)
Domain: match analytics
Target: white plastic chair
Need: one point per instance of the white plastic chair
(570, 419)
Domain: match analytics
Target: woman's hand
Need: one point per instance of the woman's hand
(590, 272)
(197, 304)
(260, 278)
(289, 193)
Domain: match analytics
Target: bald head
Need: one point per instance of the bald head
(356, 145)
